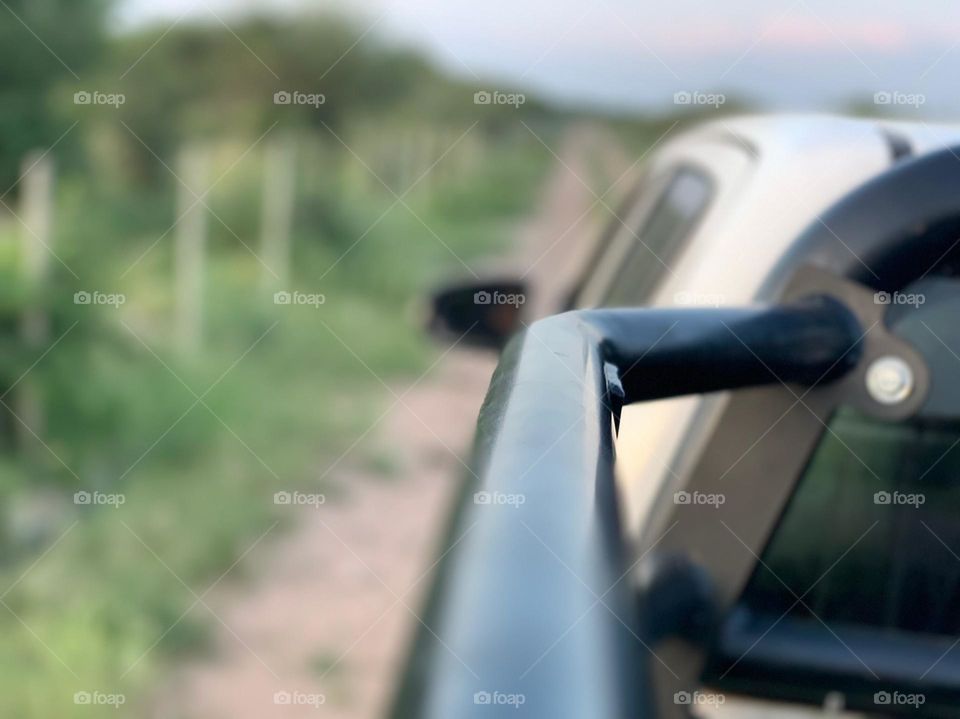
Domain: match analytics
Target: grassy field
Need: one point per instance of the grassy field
(98, 597)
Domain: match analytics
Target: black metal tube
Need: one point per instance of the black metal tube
(667, 353)
(896, 228)
(534, 611)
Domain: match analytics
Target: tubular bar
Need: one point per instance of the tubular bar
(534, 612)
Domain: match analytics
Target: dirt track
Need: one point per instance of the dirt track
(333, 602)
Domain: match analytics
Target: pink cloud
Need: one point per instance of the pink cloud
(805, 32)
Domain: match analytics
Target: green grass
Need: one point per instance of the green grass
(294, 385)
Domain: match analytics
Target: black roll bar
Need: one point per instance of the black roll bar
(537, 588)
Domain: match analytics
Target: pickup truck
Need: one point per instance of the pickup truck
(726, 471)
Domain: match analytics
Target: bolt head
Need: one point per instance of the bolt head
(889, 380)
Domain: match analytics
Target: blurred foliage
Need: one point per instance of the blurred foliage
(205, 80)
(281, 389)
(43, 43)
(198, 483)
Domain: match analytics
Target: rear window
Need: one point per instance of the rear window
(659, 240)
(873, 528)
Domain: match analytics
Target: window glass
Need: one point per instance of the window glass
(657, 243)
(877, 516)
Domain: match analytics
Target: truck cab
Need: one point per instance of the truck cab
(735, 448)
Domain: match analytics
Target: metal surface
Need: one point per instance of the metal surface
(894, 229)
(882, 238)
(534, 612)
(805, 660)
(889, 380)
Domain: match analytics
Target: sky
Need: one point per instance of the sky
(780, 54)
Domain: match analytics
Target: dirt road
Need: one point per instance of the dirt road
(334, 601)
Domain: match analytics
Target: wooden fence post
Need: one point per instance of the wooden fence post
(193, 165)
(36, 215)
(279, 202)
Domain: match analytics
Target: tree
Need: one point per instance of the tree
(46, 46)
